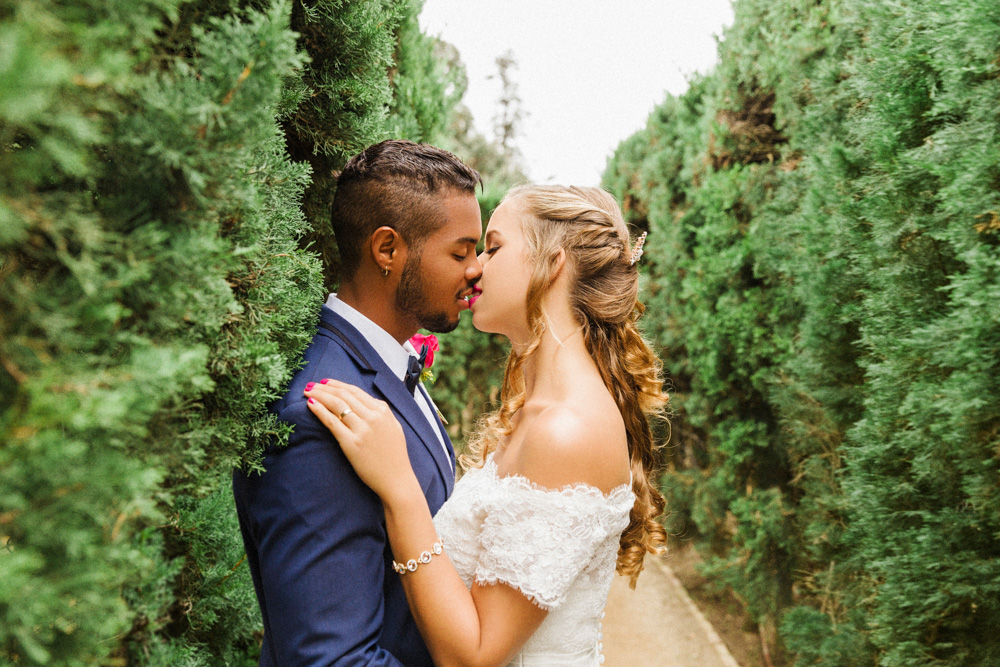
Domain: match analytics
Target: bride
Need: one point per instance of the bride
(515, 568)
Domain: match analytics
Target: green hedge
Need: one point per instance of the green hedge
(163, 164)
(823, 282)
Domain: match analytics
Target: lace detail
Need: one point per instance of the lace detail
(556, 546)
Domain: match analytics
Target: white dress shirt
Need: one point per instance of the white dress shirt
(395, 356)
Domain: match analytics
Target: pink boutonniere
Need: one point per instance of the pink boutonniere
(431, 341)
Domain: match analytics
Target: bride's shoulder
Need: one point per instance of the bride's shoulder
(567, 444)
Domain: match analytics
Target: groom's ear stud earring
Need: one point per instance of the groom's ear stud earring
(385, 271)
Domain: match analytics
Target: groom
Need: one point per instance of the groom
(407, 223)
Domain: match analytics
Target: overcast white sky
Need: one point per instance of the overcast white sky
(589, 72)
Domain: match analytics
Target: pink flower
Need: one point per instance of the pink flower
(431, 341)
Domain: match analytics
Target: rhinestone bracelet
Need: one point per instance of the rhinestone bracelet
(424, 558)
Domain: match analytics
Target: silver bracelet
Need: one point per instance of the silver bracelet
(424, 558)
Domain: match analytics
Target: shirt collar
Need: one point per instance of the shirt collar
(395, 356)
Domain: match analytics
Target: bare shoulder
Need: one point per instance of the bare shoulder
(572, 443)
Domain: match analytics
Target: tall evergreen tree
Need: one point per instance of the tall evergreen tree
(821, 264)
(155, 297)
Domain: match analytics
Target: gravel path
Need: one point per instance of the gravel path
(658, 625)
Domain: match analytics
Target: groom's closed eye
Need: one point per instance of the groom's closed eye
(463, 246)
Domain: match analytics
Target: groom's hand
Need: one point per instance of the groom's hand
(369, 435)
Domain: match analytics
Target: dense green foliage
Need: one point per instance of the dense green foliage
(162, 164)
(823, 281)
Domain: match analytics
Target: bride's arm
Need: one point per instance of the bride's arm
(484, 626)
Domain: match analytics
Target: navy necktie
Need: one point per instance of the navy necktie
(414, 367)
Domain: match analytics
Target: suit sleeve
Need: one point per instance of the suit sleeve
(320, 538)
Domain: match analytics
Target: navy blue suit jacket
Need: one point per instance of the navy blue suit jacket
(315, 534)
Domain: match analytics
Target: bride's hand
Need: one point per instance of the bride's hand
(368, 433)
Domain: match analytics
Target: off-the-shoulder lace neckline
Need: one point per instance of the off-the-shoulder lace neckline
(583, 487)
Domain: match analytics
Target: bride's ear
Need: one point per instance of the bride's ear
(557, 262)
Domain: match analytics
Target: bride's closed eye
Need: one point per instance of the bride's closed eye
(492, 250)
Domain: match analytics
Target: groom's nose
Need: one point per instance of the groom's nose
(473, 271)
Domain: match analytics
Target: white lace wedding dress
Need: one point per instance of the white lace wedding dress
(558, 547)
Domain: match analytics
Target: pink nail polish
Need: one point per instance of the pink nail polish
(324, 380)
(312, 400)
(310, 386)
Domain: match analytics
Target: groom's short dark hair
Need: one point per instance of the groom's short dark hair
(394, 184)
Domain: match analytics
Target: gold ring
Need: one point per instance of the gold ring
(345, 413)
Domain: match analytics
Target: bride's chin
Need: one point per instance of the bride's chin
(480, 324)
(477, 324)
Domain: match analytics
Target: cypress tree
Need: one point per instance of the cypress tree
(156, 298)
(921, 462)
(136, 197)
(820, 278)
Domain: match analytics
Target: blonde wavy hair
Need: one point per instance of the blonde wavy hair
(588, 224)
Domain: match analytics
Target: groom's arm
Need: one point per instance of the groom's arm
(320, 538)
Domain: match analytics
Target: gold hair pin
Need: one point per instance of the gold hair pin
(637, 249)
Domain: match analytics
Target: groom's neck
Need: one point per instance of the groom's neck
(379, 307)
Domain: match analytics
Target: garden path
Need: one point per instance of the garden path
(657, 625)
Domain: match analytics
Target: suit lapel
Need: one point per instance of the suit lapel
(449, 449)
(403, 401)
(392, 389)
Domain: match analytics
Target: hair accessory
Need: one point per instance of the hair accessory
(423, 559)
(637, 249)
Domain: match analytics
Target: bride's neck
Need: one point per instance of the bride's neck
(558, 357)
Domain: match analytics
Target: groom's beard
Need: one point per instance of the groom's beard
(410, 298)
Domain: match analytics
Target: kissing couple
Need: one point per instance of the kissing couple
(363, 548)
